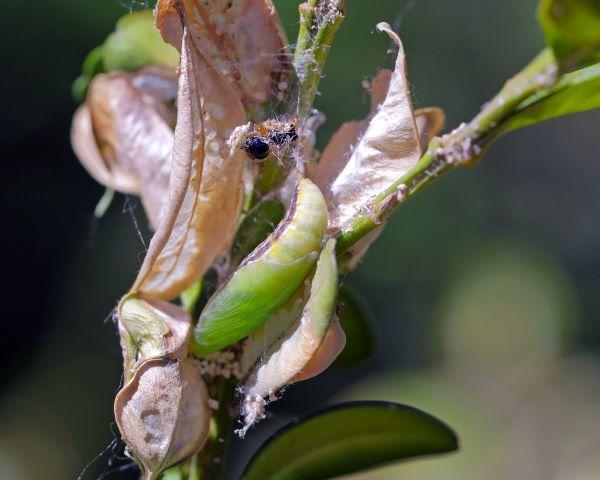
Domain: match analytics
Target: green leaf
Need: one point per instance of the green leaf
(572, 30)
(79, 87)
(355, 319)
(348, 438)
(134, 44)
(257, 225)
(92, 66)
(575, 92)
(173, 473)
(137, 43)
(297, 343)
(94, 62)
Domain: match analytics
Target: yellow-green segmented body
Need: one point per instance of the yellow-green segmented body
(268, 276)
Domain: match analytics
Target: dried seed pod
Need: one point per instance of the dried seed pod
(303, 348)
(153, 328)
(429, 122)
(163, 414)
(83, 141)
(205, 190)
(127, 141)
(243, 39)
(267, 277)
(364, 158)
(339, 149)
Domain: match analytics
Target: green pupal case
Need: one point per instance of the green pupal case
(267, 277)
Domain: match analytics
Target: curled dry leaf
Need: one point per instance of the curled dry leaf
(205, 189)
(132, 128)
(87, 151)
(331, 346)
(429, 122)
(243, 39)
(303, 348)
(152, 328)
(163, 414)
(267, 277)
(364, 158)
(123, 136)
(340, 147)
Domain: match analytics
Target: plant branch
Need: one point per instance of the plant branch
(464, 146)
(319, 22)
(211, 459)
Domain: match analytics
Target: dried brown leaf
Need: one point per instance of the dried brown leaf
(340, 146)
(430, 121)
(205, 189)
(132, 129)
(85, 147)
(331, 346)
(243, 39)
(388, 145)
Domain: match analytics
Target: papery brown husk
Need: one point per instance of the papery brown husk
(300, 355)
(328, 350)
(430, 121)
(123, 134)
(120, 178)
(244, 40)
(163, 414)
(206, 187)
(364, 158)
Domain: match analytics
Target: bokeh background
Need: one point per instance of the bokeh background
(484, 289)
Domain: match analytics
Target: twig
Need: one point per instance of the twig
(319, 22)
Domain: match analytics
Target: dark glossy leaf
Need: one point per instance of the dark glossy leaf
(355, 320)
(575, 92)
(572, 30)
(348, 438)
(257, 226)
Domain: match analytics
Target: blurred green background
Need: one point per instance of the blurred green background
(483, 289)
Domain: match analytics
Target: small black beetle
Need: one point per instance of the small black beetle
(256, 148)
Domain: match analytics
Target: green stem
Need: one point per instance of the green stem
(462, 147)
(319, 22)
(212, 457)
(104, 202)
(207, 465)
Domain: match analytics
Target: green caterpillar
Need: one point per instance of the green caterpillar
(267, 277)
